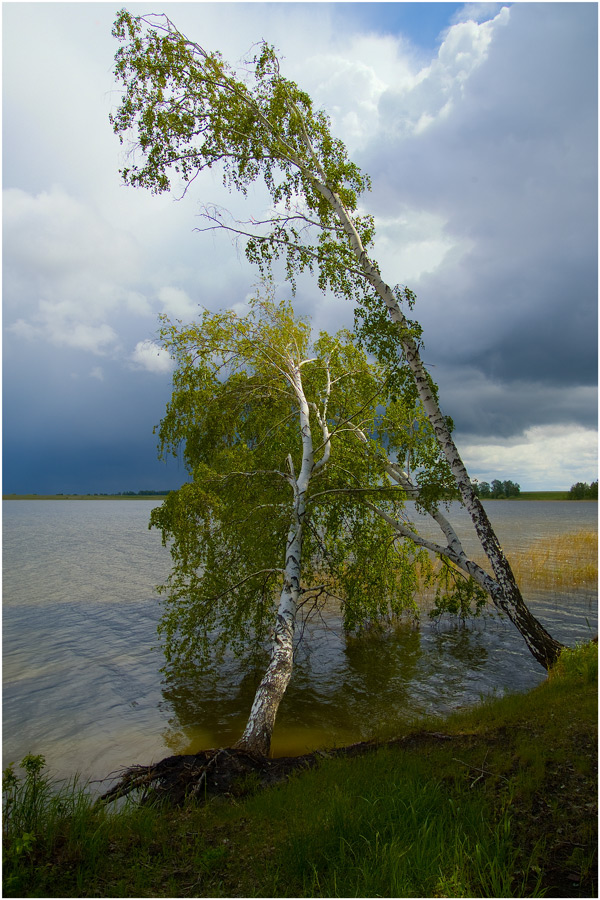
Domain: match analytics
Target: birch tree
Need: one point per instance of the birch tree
(186, 110)
(269, 427)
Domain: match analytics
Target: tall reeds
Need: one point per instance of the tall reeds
(564, 561)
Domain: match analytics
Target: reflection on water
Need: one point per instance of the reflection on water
(82, 682)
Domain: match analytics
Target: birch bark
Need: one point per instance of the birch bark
(261, 721)
(211, 125)
(259, 729)
(507, 595)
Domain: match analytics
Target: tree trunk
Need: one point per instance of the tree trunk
(541, 644)
(508, 596)
(257, 735)
(261, 721)
(269, 694)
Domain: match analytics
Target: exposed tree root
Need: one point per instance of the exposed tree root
(230, 771)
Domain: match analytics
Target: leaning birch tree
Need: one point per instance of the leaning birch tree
(269, 525)
(187, 110)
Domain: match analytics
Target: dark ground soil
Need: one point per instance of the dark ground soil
(225, 771)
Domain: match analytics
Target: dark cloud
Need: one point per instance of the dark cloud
(512, 173)
(84, 425)
(493, 407)
(485, 151)
(527, 319)
(81, 467)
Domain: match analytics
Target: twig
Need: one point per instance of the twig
(479, 769)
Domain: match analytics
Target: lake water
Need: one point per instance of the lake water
(82, 680)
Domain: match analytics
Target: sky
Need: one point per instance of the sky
(478, 127)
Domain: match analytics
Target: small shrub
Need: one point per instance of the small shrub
(580, 662)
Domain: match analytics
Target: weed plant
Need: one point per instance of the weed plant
(41, 820)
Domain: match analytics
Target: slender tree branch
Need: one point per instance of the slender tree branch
(232, 587)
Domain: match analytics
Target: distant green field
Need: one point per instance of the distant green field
(542, 495)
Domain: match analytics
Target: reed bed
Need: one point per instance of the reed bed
(566, 561)
(562, 563)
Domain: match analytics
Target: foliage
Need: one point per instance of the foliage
(137, 494)
(497, 490)
(191, 111)
(456, 594)
(584, 491)
(235, 417)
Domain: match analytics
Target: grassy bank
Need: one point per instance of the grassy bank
(497, 801)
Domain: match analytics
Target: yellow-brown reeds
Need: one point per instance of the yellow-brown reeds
(560, 561)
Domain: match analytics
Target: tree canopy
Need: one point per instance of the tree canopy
(290, 503)
(186, 110)
(497, 490)
(191, 111)
(234, 416)
(584, 491)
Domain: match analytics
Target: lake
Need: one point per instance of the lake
(82, 679)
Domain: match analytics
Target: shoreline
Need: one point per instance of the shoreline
(495, 801)
(524, 496)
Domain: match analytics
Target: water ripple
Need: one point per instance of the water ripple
(82, 682)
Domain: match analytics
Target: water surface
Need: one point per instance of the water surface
(82, 680)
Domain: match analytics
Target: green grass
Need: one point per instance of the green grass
(503, 806)
(542, 495)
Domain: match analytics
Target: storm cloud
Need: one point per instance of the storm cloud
(478, 127)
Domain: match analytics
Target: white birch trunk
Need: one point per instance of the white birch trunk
(507, 596)
(261, 721)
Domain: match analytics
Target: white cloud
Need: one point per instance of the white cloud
(23, 329)
(67, 272)
(48, 326)
(61, 236)
(176, 303)
(374, 83)
(414, 243)
(544, 456)
(95, 338)
(416, 103)
(98, 373)
(349, 83)
(150, 356)
(477, 12)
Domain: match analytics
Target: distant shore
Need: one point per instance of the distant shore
(83, 496)
(524, 495)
